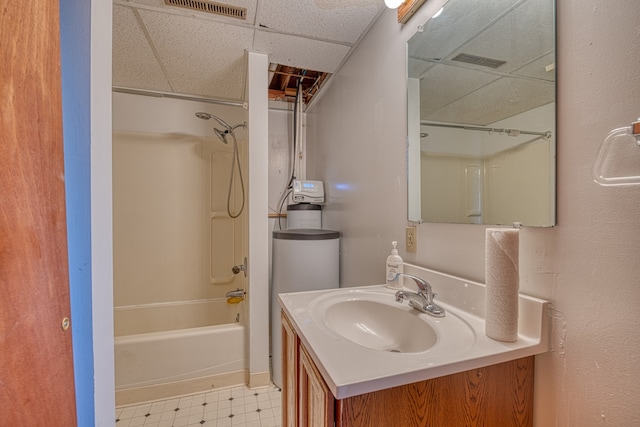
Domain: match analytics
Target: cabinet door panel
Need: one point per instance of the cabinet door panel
(315, 399)
(290, 374)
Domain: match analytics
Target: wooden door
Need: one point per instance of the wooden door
(36, 366)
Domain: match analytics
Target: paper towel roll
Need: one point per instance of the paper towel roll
(502, 284)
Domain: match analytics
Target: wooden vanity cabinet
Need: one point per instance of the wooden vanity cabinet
(498, 396)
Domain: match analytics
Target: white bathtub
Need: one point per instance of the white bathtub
(169, 349)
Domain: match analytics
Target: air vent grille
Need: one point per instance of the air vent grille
(211, 7)
(479, 60)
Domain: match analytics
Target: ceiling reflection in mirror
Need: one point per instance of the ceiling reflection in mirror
(481, 108)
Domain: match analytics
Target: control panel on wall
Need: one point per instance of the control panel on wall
(308, 192)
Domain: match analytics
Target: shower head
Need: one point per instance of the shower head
(207, 116)
(222, 134)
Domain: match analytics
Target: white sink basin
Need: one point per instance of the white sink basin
(374, 320)
(380, 326)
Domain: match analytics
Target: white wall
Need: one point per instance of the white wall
(280, 143)
(258, 265)
(137, 113)
(587, 266)
(356, 144)
(101, 218)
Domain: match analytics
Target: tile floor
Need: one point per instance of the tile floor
(229, 407)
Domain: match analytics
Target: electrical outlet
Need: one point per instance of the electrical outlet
(411, 238)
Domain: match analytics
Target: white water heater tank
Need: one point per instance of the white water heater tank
(303, 260)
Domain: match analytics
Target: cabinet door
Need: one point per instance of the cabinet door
(290, 374)
(315, 401)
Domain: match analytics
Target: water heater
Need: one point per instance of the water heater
(303, 260)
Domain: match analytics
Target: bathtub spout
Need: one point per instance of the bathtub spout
(238, 293)
(235, 297)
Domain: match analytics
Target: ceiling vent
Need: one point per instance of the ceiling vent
(211, 7)
(479, 60)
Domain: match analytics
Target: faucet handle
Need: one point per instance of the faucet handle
(423, 285)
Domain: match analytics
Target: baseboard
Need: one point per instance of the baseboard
(260, 379)
(171, 389)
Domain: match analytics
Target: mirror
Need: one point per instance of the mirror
(481, 114)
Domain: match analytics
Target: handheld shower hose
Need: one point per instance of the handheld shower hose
(222, 134)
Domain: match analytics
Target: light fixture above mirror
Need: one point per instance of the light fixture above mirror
(393, 4)
(406, 8)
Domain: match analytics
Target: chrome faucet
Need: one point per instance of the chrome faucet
(421, 300)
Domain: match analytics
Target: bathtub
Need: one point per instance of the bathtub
(169, 349)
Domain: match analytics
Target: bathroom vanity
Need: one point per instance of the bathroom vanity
(339, 369)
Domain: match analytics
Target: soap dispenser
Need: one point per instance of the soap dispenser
(394, 268)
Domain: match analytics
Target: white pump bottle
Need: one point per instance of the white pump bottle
(394, 268)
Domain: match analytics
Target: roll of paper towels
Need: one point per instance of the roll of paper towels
(502, 284)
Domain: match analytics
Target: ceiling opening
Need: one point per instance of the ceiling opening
(283, 82)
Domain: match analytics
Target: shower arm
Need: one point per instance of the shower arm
(227, 126)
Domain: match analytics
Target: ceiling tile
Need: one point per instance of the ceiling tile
(538, 68)
(508, 97)
(134, 64)
(300, 52)
(517, 38)
(445, 84)
(444, 35)
(159, 5)
(200, 57)
(335, 20)
(502, 98)
(417, 67)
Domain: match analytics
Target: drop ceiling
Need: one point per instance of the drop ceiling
(162, 48)
(518, 32)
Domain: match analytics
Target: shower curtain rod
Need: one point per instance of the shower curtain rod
(158, 94)
(509, 132)
(184, 97)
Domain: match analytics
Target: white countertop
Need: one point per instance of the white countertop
(350, 369)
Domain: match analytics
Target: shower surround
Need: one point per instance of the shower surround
(174, 249)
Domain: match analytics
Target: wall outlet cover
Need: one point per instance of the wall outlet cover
(412, 242)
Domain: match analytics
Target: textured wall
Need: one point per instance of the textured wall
(587, 265)
(596, 295)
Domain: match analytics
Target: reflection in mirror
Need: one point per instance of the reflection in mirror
(481, 114)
